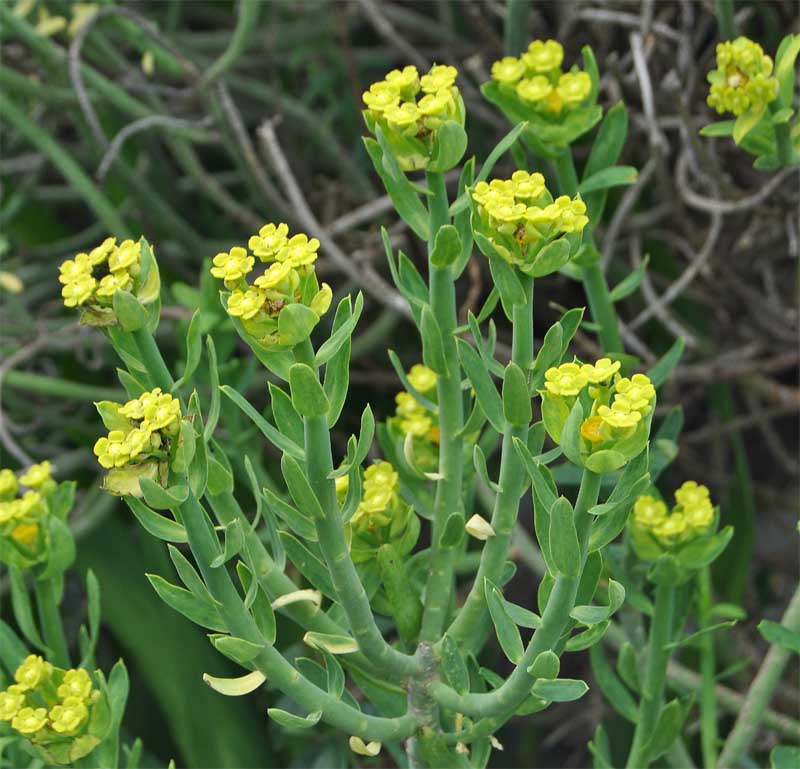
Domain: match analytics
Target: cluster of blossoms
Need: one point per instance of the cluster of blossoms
(410, 109)
(537, 80)
(91, 280)
(139, 438)
(519, 217)
(289, 278)
(52, 707)
(382, 516)
(742, 81)
(691, 516)
(24, 505)
(416, 423)
(619, 404)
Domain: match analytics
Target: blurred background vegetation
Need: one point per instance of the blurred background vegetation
(194, 123)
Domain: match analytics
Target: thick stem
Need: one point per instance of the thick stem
(655, 673)
(507, 698)
(708, 698)
(448, 499)
(511, 482)
(783, 139)
(760, 692)
(153, 361)
(594, 281)
(47, 601)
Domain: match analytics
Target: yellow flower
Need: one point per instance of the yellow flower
(76, 683)
(112, 450)
(435, 104)
(48, 25)
(11, 702)
(79, 291)
(113, 282)
(232, 266)
(81, 13)
(379, 475)
(36, 475)
(571, 213)
(527, 186)
(299, 251)
(100, 253)
(649, 511)
(69, 716)
(591, 429)
(28, 502)
(246, 305)
(534, 89)
(699, 518)
(742, 79)
(402, 116)
(162, 413)
(30, 720)
(619, 415)
(692, 494)
(601, 371)
(506, 210)
(574, 87)
(672, 528)
(497, 190)
(26, 533)
(636, 393)
(543, 56)
(440, 76)
(126, 255)
(274, 275)
(8, 483)
(422, 378)
(405, 81)
(134, 409)
(322, 300)
(10, 510)
(566, 379)
(508, 70)
(380, 97)
(32, 673)
(75, 269)
(270, 240)
(138, 440)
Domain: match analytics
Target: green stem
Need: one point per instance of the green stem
(655, 673)
(507, 698)
(60, 388)
(594, 281)
(708, 698)
(515, 26)
(783, 138)
(723, 9)
(47, 601)
(439, 590)
(153, 361)
(333, 543)
(760, 692)
(511, 482)
(246, 24)
(278, 670)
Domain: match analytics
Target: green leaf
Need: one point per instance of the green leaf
(548, 356)
(500, 149)
(605, 461)
(239, 650)
(503, 276)
(479, 461)
(337, 370)
(449, 146)
(193, 350)
(332, 643)
(613, 689)
(630, 283)
(188, 604)
(571, 434)
(418, 396)
(660, 372)
(507, 632)
(163, 499)
(695, 637)
(785, 756)
(159, 526)
(22, 609)
(485, 391)
(665, 732)
(446, 247)
(291, 721)
(722, 128)
(234, 542)
(453, 666)
(747, 121)
(308, 397)
(188, 574)
(130, 313)
(594, 615)
(546, 665)
(258, 603)
(62, 549)
(185, 448)
(404, 602)
(343, 333)
(704, 550)
(785, 57)
(779, 635)
(288, 421)
(613, 176)
(560, 690)
(213, 374)
(550, 259)
(311, 567)
(297, 482)
(564, 546)
(516, 400)
(272, 435)
(433, 354)
(452, 531)
(587, 638)
(295, 323)
(401, 191)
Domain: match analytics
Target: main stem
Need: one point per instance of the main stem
(448, 500)
(464, 629)
(708, 696)
(653, 689)
(594, 281)
(152, 359)
(52, 629)
(783, 139)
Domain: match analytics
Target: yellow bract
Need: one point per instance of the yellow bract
(422, 378)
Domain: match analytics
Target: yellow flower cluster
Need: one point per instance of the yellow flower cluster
(692, 514)
(394, 99)
(742, 80)
(537, 79)
(93, 278)
(46, 701)
(145, 424)
(290, 263)
(48, 24)
(410, 415)
(23, 503)
(519, 215)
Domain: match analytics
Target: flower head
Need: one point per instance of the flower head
(574, 87)
(232, 266)
(299, 251)
(543, 56)
(30, 720)
(125, 256)
(270, 240)
(567, 379)
(440, 76)
(743, 78)
(405, 81)
(422, 378)
(508, 70)
(69, 716)
(79, 291)
(8, 483)
(649, 511)
(601, 371)
(76, 683)
(246, 304)
(32, 672)
(11, 702)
